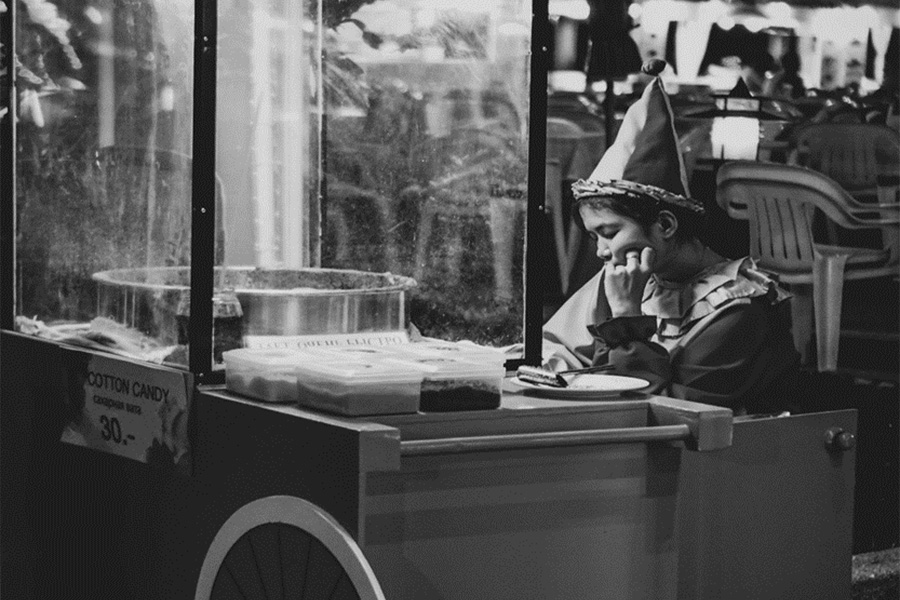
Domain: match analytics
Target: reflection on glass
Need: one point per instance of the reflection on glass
(103, 165)
(267, 134)
(370, 169)
(425, 156)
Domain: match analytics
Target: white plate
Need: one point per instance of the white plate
(585, 386)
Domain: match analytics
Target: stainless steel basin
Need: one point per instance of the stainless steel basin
(273, 301)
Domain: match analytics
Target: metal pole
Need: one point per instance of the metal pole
(8, 172)
(536, 235)
(552, 439)
(609, 112)
(203, 191)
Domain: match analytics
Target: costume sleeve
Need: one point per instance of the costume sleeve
(743, 358)
(732, 359)
(625, 343)
(567, 343)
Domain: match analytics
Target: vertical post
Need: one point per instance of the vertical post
(609, 111)
(203, 191)
(295, 136)
(315, 188)
(536, 235)
(106, 80)
(8, 172)
(261, 150)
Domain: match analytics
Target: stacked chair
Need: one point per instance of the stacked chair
(779, 202)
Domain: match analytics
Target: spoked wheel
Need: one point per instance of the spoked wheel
(284, 547)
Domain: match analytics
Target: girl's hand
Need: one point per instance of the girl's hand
(624, 283)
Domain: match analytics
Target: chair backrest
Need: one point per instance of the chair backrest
(852, 154)
(563, 137)
(587, 121)
(779, 202)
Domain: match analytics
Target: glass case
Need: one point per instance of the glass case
(367, 167)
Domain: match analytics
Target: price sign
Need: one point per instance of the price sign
(127, 408)
(311, 342)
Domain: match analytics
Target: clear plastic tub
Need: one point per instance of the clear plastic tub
(451, 383)
(359, 352)
(267, 375)
(357, 386)
(453, 350)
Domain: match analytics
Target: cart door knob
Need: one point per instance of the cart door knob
(839, 440)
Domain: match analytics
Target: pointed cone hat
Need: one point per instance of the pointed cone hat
(645, 159)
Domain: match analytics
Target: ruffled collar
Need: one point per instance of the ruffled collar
(678, 305)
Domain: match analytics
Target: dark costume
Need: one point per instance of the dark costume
(720, 338)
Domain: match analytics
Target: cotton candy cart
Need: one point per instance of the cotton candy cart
(627, 498)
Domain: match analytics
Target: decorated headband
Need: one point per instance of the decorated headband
(586, 188)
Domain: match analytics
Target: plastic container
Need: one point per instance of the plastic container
(358, 352)
(267, 375)
(453, 350)
(451, 383)
(355, 386)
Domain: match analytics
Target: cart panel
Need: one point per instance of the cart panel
(527, 524)
(768, 517)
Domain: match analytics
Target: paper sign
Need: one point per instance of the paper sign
(370, 338)
(127, 408)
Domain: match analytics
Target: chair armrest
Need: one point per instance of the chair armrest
(865, 210)
(883, 209)
(827, 195)
(855, 221)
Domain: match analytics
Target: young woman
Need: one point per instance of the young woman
(668, 309)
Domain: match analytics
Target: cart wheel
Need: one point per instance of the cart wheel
(284, 547)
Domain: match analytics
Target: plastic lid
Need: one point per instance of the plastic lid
(269, 358)
(438, 367)
(356, 372)
(454, 350)
(361, 352)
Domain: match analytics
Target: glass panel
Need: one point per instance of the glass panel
(267, 160)
(104, 171)
(267, 133)
(425, 156)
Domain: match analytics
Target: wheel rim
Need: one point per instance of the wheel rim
(284, 547)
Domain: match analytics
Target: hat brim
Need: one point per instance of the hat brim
(590, 188)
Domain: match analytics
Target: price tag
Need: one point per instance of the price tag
(127, 408)
(307, 342)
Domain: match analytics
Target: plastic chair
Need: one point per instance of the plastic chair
(779, 202)
(587, 121)
(554, 204)
(852, 154)
(563, 138)
(590, 146)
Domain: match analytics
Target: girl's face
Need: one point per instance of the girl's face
(615, 234)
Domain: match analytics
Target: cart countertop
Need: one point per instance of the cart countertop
(710, 427)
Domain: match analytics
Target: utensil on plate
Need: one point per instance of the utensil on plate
(541, 376)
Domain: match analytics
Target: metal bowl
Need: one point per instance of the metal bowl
(273, 301)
